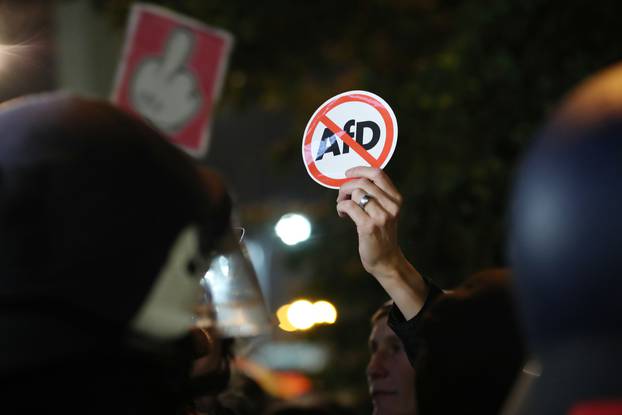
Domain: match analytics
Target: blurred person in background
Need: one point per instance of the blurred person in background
(565, 247)
(465, 345)
(211, 371)
(245, 396)
(390, 376)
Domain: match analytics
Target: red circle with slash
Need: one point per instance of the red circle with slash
(321, 117)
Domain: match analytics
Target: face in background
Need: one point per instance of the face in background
(390, 376)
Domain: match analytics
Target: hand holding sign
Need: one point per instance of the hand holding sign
(377, 221)
(376, 225)
(351, 129)
(163, 89)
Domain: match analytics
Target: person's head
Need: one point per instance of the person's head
(105, 228)
(566, 231)
(390, 376)
(471, 349)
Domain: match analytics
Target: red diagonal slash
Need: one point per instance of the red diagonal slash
(349, 140)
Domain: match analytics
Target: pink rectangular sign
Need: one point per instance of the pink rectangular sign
(171, 73)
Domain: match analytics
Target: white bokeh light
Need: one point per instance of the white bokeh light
(293, 228)
(301, 314)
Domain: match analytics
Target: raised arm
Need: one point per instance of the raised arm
(376, 224)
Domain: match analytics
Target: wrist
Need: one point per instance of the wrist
(404, 285)
(392, 269)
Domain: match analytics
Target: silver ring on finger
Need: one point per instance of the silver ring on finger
(364, 201)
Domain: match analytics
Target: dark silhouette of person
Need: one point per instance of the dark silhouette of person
(105, 228)
(469, 347)
(566, 236)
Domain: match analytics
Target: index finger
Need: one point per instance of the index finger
(379, 177)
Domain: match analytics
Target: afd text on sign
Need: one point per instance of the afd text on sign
(355, 128)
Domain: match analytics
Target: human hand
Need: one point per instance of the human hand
(163, 89)
(376, 222)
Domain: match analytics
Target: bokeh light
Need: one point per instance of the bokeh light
(281, 315)
(325, 312)
(302, 314)
(293, 228)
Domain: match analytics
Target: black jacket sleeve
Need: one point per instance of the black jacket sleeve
(406, 330)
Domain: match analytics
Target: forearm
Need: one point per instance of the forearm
(405, 286)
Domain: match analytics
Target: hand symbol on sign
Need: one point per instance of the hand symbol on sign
(163, 89)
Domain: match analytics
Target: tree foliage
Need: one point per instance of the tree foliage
(469, 80)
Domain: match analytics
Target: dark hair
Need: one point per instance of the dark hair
(471, 348)
(381, 312)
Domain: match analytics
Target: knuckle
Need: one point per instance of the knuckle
(364, 182)
(366, 229)
(349, 204)
(383, 218)
(393, 210)
(360, 182)
(375, 225)
(376, 173)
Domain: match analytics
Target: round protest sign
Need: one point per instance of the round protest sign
(355, 128)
